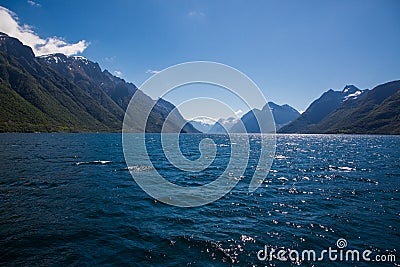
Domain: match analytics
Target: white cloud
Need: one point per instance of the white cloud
(32, 3)
(118, 73)
(153, 71)
(238, 112)
(10, 25)
(196, 14)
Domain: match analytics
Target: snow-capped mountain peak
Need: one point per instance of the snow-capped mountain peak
(350, 89)
(61, 58)
(55, 58)
(352, 92)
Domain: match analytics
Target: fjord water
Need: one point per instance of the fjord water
(69, 199)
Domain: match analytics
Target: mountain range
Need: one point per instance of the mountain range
(73, 94)
(223, 125)
(254, 119)
(69, 93)
(201, 125)
(282, 115)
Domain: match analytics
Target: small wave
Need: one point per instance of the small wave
(393, 174)
(138, 168)
(341, 168)
(346, 169)
(293, 191)
(367, 180)
(283, 179)
(95, 162)
(246, 238)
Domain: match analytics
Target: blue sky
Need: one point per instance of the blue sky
(293, 50)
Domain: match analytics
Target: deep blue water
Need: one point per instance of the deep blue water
(68, 199)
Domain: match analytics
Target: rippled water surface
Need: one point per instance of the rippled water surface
(69, 199)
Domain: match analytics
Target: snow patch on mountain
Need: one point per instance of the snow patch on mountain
(353, 96)
(81, 58)
(56, 58)
(61, 58)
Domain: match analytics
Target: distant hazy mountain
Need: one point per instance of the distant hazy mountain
(249, 122)
(223, 125)
(201, 126)
(282, 115)
(63, 93)
(322, 107)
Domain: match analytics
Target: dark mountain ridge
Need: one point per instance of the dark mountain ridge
(320, 108)
(378, 112)
(375, 111)
(64, 93)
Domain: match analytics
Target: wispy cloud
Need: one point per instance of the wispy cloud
(153, 71)
(110, 59)
(196, 14)
(41, 46)
(33, 3)
(118, 73)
